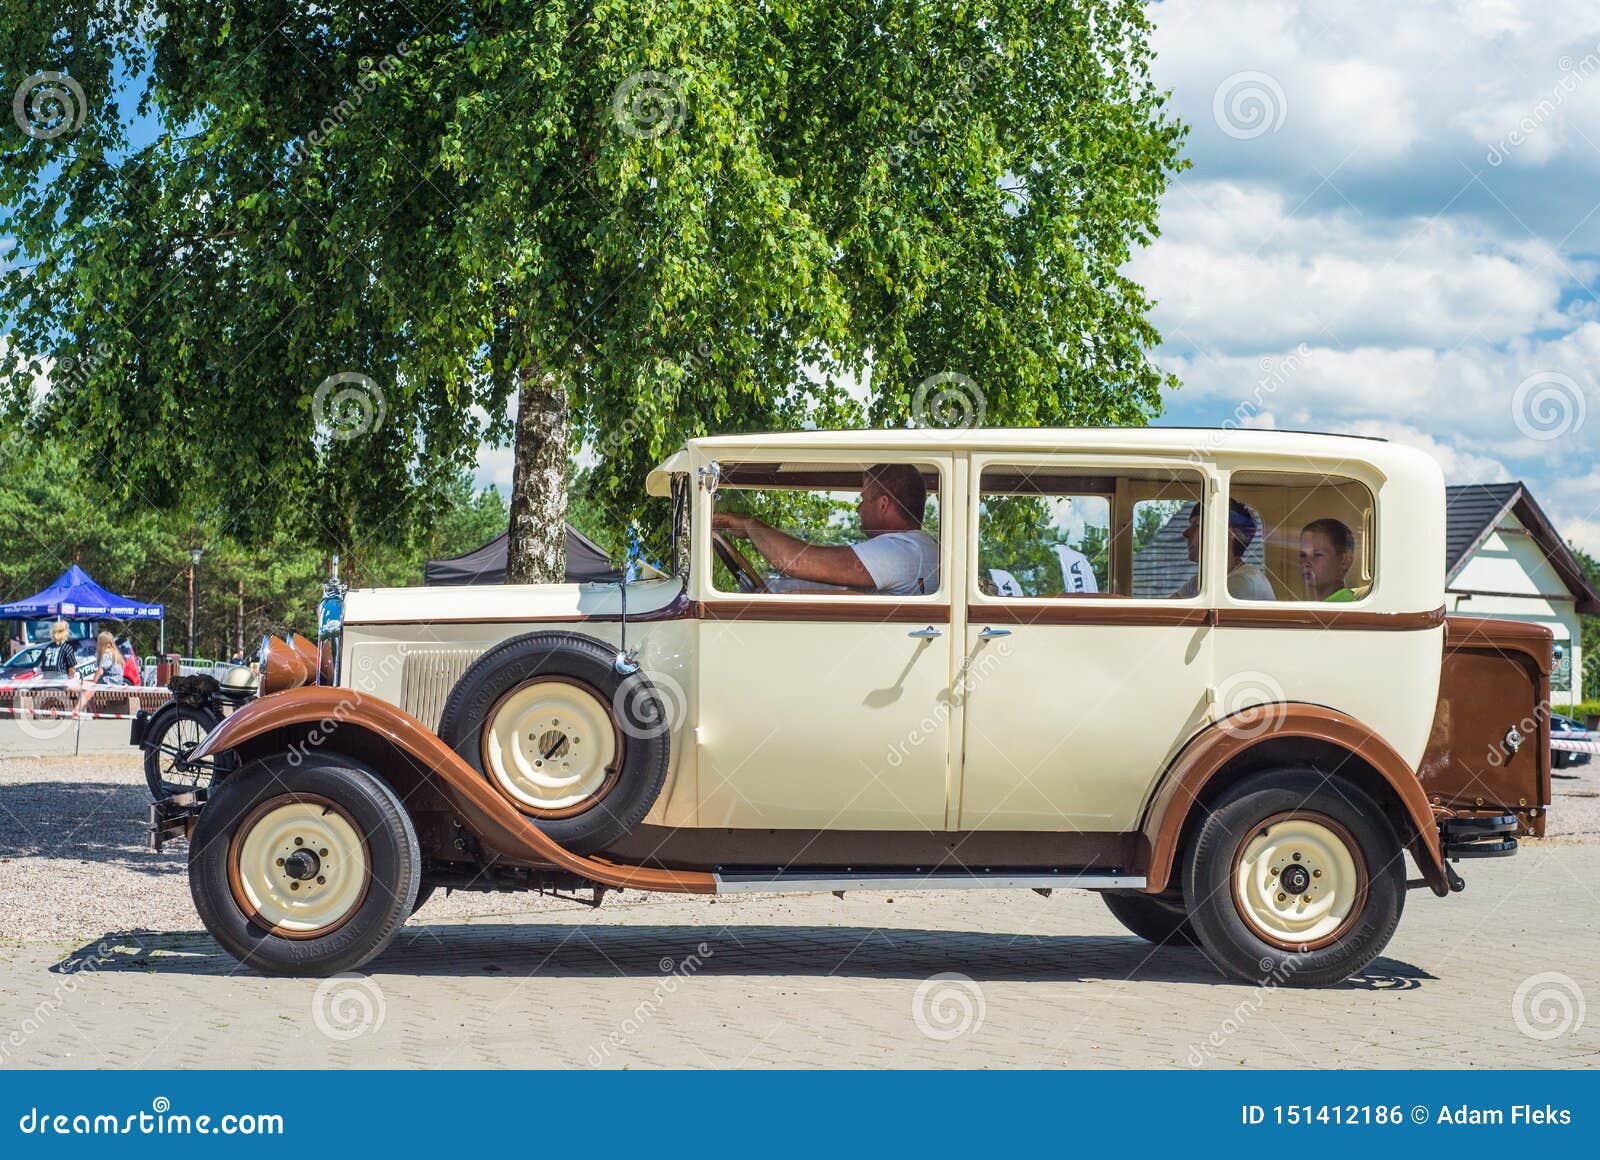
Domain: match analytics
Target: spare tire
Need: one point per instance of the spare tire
(550, 723)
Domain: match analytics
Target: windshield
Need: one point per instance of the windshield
(28, 658)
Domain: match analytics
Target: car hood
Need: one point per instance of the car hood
(504, 602)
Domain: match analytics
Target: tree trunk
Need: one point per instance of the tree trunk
(536, 552)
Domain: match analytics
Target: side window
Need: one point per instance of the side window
(1048, 532)
(847, 529)
(1299, 536)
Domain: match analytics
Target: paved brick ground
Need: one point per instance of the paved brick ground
(1497, 976)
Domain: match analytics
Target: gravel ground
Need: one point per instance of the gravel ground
(72, 847)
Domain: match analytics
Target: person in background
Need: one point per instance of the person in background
(60, 660)
(130, 662)
(1327, 550)
(1245, 581)
(107, 669)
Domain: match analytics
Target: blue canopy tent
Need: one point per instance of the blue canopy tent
(75, 594)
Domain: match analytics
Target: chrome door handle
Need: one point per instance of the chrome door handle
(990, 633)
(924, 633)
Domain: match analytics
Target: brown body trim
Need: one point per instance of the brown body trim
(872, 610)
(492, 819)
(1093, 610)
(1205, 756)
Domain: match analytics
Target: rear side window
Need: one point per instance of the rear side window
(1299, 536)
(1063, 533)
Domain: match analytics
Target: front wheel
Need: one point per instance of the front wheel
(304, 869)
(1295, 879)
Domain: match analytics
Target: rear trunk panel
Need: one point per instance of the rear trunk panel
(1489, 750)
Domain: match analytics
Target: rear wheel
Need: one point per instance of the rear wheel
(1162, 921)
(1296, 879)
(307, 869)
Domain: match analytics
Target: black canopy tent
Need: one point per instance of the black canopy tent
(586, 561)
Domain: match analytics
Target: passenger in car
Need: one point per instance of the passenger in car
(1246, 581)
(1327, 550)
(898, 558)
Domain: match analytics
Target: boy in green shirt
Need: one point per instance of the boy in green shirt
(1327, 550)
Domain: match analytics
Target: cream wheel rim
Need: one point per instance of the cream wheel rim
(550, 745)
(1298, 882)
(301, 867)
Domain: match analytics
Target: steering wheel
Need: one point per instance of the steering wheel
(749, 580)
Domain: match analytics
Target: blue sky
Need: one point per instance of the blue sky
(1391, 227)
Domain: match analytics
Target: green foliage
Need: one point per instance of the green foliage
(1590, 626)
(139, 551)
(697, 215)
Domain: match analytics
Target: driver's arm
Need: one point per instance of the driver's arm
(792, 557)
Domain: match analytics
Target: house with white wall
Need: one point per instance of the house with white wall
(1504, 558)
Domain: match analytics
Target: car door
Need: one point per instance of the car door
(1075, 700)
(824, 710)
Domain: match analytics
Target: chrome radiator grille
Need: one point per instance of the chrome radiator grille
(428, 677)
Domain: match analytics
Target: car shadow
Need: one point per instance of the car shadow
(89, 822)
(574, 950)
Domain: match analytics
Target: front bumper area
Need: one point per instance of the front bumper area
(1490, 836)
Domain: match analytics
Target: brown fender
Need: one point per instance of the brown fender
(491, 817)
(1210, 751)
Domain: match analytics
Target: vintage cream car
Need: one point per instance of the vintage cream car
(1206, 673)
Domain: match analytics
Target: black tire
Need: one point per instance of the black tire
(631, 703)
(388, 891)
(173, 731)
(1157, 920)
(1246, 812)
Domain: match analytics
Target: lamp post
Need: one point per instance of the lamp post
(194, 608)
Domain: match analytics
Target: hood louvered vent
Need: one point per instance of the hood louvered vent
(427, 679)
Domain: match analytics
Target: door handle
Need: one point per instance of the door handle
(990, 633)
(924, 633)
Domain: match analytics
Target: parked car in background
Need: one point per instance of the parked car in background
(1566, 729)
(23, 669)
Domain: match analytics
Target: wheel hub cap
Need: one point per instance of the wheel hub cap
(1298, 881)
(300, 867)
(550, 745)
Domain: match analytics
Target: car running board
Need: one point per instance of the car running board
(824, 881)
